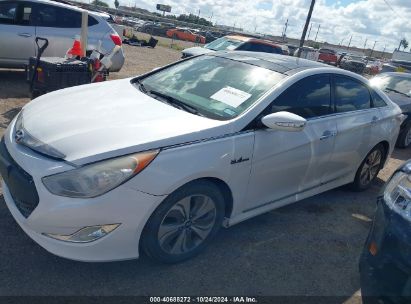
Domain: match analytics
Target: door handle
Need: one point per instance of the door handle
(328, 134)
(24, 35)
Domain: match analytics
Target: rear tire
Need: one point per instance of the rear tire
(404, 139)
(184, 223)
(369, 168)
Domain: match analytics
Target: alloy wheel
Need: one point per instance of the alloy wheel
(187, 224)
(371, 167)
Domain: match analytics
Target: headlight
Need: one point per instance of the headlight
(23, 137)
(98, 178)
(397, 194)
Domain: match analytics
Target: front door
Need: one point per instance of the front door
(287, 163)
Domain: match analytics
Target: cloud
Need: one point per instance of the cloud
(373, 20)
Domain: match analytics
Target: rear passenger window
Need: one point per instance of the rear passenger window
(8, 11)
(54, 16)
(350, 95)
(377, 100)
(310, 97)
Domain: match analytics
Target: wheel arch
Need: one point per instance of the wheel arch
(224, 189)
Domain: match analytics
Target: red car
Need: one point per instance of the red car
(185, 34)
(328, 56)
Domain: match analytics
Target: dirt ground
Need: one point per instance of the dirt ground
(308, 248)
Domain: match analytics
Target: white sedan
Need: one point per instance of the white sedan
(158, 163)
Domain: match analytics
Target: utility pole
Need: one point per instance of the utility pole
(309, 31)
(383, 52)
(365, 43)
(349, 43)
(285, 29)
(211, 17)
(375, 42)
(317, 32)
(307, 22)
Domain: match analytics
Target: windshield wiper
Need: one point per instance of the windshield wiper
(176, 103)
(396, 91)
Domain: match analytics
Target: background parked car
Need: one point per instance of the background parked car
(398, 87)
(156, 29)
(385, 264)
(237, 43)
(353, 63)
(396, 66)
(185, 34)
(22, 21)
(328, 56)
(373, 66)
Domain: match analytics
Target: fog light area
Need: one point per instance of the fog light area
(86, 234)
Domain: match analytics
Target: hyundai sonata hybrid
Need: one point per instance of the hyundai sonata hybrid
(158, 163)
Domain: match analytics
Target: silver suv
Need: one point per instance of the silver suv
(22, 21)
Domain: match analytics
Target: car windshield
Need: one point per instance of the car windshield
(214, 87)
(223, 43)
(397, 83)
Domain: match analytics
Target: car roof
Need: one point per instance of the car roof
(68, 6)
(279, 63)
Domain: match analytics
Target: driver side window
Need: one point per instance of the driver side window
(309, 97)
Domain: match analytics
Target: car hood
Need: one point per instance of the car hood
(194, 51)
(93, 122)
(402, 101)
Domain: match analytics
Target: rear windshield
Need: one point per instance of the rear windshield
(216, 87)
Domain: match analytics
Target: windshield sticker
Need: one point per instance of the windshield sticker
(231, 96)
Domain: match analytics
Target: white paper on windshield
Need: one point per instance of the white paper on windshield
(231, 96)
(231, 47)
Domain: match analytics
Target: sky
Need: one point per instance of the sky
(384, 21)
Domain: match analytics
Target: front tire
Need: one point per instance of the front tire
(185, 223)
(369, 168)
(404, 139)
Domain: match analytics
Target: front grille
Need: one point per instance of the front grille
(19, 182)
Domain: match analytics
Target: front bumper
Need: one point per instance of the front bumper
(62, 215)
(386, 274)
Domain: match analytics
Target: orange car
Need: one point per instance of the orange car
(185, 34)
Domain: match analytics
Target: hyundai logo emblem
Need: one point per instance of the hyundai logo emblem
(19, 135)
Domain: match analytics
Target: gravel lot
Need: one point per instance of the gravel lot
(308, 248)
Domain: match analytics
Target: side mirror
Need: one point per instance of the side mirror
(284, 121)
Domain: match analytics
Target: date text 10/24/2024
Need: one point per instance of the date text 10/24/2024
(203, 300)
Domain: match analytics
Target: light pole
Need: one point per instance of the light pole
(307, 22)
(349, 43)
(375, 42)
(318, 29)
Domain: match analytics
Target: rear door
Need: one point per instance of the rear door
(16, 33)
(59, 25)
(358, 125)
